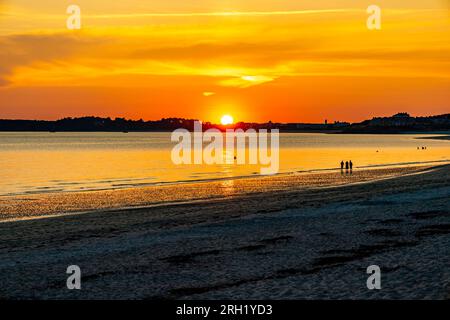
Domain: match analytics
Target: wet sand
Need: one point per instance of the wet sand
(53, 204)
(313, 241)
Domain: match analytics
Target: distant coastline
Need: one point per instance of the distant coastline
(436, 138)
(399, 123)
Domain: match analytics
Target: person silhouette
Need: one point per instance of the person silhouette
(342, 165)
(351, 165)
(346, 165)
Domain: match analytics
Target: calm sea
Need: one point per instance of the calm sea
(60, 162)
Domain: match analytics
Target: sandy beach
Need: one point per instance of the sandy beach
(31, 206)
(311, 241)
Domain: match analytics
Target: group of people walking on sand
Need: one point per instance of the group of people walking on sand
(348, 165)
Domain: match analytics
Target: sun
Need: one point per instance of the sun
(227, 120)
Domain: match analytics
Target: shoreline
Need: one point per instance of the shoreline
(221, 179)
(45, 205)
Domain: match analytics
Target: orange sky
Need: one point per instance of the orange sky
(279, 60)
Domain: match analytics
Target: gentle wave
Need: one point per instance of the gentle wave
(131, 183)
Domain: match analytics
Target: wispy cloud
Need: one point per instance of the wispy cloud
(246, 81)
(219, 13)
(239, 54)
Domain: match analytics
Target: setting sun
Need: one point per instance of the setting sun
(227, 120)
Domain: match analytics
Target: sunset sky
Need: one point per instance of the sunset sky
(258, 60)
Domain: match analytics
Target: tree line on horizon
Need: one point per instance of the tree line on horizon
(398, 123)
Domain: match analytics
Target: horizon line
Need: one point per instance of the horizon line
(203, 121)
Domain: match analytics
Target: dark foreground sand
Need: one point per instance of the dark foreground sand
(310, 242)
